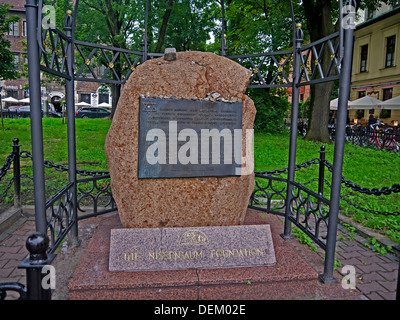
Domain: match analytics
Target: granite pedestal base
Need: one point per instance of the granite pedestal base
(292, 277)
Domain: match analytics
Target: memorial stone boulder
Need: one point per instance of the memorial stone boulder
(196, 191)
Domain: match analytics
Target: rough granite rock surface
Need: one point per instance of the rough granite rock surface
(177, 202)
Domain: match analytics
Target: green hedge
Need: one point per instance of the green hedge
(271, 110)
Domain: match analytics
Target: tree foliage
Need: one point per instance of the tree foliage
(189, 25)
(271, 110)
(251, 26)
(255, 26)
(183, 24)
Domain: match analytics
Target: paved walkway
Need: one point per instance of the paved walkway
(376, 275)
(13, 251)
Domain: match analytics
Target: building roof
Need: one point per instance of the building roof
(378, 18)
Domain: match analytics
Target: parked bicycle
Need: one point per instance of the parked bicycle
(384, 139)
(375, 137)
(391, 141)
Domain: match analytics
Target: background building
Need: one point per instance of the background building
(52, 91)
(17, 38)
(376, 62)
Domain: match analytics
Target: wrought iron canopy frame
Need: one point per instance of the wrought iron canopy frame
(59, 54)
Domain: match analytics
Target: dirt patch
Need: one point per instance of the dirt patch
(68, 257)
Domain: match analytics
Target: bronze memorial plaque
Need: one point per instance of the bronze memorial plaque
(189, 138)
(152, 249)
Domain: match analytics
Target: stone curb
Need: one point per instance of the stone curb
(8, 218)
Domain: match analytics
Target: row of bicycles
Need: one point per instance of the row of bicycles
(384, 138)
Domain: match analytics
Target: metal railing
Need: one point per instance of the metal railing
(93, 199)
(94, 195)
(309, 207)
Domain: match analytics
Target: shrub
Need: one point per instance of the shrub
(271, 110)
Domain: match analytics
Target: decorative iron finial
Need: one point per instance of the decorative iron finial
(299, 33)
(37, 245)
(68, 21)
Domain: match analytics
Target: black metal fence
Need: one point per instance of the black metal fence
(12, 115)
(94, 195)
(309, 205)
(27, 114)
(94, 198)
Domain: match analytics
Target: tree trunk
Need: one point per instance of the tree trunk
(318, 124)
(319, 23)
(116, 93)
(164, 24)
(116, 88)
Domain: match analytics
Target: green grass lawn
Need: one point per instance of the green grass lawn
(366, 167)
(90, 138)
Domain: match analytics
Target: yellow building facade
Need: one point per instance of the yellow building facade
(376, 64)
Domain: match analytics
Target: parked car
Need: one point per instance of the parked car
(92, 112)
(25, 112)
(13, 108)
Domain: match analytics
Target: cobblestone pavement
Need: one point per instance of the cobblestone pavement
(13, 251)
(376, 275)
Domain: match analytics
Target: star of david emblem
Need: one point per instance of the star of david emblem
(149, 107)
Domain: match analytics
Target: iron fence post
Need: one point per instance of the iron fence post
(293, 129)
(321, 176)
(344, 92)
(36, 115)
(70, 101)
(398, 284)
(38, 287)
(17, 174)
